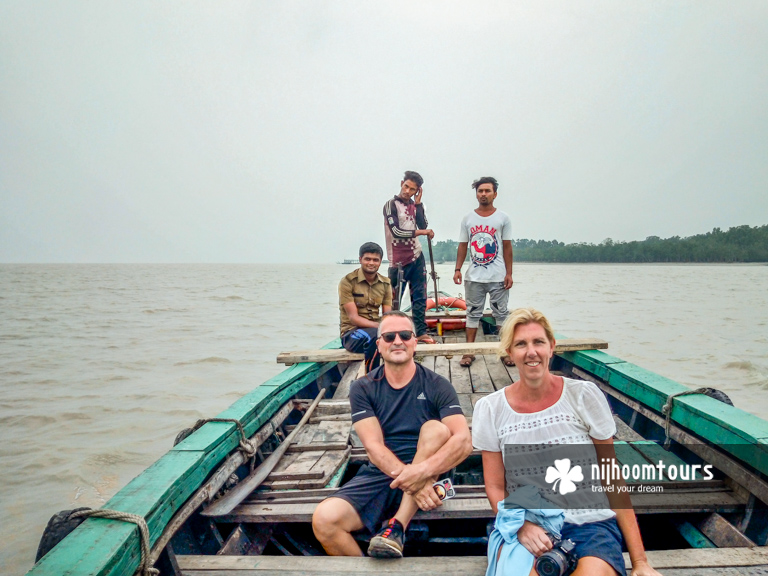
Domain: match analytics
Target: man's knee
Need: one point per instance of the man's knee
(331, 515)
(433, 435)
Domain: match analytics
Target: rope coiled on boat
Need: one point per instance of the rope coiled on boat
(247, 447)
(666, 410)
(144, 568)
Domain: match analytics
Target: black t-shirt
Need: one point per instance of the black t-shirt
(401, 413)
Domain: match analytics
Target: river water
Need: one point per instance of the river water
(101, 365)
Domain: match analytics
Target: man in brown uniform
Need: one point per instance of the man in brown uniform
(361, 294)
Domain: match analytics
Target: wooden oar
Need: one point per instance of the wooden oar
(231, 499)
(433, 273)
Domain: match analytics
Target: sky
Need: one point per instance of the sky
(275, 131)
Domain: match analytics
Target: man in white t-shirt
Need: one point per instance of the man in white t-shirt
(487, 234)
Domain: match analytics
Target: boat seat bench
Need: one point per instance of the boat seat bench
(702, 562)
(474, 504)
(450, 349)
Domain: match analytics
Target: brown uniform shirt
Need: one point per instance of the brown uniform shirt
(369, 298)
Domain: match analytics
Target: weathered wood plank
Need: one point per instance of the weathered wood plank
(325, 435)
(460, 377)
(655, 453)
(475, 398)
(442, 367)
(447, 566)
(497, 371)
(481, 379)
(723, 533)
(331, 418)
(426, 361)
(341, 355)
(628, 456)
(624, 432)
(692, 535)
(322, 470)
(354, 371)
(478, 507)
(296, 466)
(237, 543)
(467, 407)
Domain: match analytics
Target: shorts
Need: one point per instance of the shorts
(601, 539)
(475, 299)
(370, 495)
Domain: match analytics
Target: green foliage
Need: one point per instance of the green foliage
(737, 244)
(442, 250)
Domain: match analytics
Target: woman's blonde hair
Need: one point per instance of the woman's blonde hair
(521, 317)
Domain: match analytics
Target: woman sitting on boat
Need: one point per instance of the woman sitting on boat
(544, 409)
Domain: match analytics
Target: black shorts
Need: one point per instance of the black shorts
(370, 495)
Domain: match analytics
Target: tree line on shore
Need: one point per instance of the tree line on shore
(737, 244)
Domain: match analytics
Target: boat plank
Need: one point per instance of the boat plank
(627, 455)
(342, 355)
(460, 377)
(475, 398)
(478, 507)
(513, 372)
(498, 373)
(480, 377)
(322, 434)
(723, 533)
(467, 406)
(624, 432)
(354, 371)
(655, 453)
(442, 367)
(447, 566)
(317, 476)
(297, 466)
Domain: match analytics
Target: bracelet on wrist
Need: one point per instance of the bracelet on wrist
(458, 269)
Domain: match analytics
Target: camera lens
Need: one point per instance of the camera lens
(552, 563)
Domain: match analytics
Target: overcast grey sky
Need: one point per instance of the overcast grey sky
(275, 131)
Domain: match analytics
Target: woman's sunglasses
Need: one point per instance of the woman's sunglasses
(389, 337)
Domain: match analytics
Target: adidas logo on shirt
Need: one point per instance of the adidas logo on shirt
(421, 397)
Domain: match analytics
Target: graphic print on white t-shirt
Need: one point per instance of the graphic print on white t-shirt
(483, 247)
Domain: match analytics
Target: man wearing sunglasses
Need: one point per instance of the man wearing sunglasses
(410, 422)
(362, 293)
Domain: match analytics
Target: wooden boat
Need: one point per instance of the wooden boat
(300, 419)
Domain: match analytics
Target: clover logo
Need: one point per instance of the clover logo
(565, 475)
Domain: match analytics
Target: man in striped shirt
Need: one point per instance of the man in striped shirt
(404, 221)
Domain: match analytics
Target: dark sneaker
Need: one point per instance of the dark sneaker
(388, 543)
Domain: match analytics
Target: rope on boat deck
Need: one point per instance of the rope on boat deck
(144, 568)
(666, 410)
(247, 447)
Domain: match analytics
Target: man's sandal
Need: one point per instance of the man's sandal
(508, 361)
(466, 360)
(425, 339)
